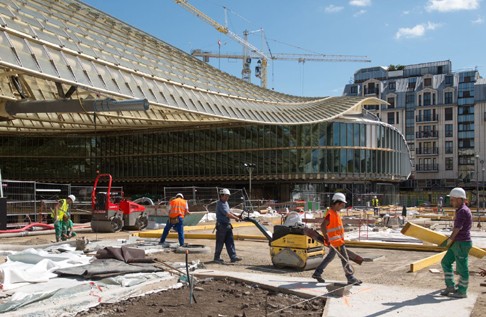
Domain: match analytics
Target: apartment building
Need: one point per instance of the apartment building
(441, 112)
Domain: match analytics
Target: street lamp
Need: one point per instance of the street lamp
(249, 167)
(477, 183)
(482, 178)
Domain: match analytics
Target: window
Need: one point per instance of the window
(449, 80)
(448, 114)
(428, 82)
(391, 101)
(354, 89)
(448, 97)
(411, 83)
(449, 130)
(392, 85)
(410, 99)
(397, 121)
(448, 147)
(427, 99)
(391, 117)
(449, 163)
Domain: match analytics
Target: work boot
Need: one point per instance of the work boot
(458, 294)
(448, 290)
(355, 281)
(318, 278)
(236, 259)
(218, 261)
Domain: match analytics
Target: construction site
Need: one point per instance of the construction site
(112, 268)
(103, 126)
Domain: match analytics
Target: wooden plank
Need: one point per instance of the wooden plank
(427, 235)
(431, 260)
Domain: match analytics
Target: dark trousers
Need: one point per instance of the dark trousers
(330, 256)
(179, 228)
(224, 236)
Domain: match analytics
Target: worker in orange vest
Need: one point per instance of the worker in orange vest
(178, 210)
(333, 232)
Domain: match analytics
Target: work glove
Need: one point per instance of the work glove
(446, 243)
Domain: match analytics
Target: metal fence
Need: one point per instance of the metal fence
(30, 201)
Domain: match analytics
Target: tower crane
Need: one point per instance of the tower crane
(223, 29)
(260, 69)
(250, 51)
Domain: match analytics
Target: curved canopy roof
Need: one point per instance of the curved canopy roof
(70, 55)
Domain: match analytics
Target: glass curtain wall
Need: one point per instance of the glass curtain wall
(341, 150)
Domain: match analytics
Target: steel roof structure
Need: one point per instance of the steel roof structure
(61, 61)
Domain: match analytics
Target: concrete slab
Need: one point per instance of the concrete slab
(364, 300)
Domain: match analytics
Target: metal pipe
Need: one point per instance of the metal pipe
(66, 106)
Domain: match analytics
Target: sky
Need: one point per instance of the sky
(388, 32)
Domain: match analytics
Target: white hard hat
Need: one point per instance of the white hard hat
(339, 197)
(375, 197)
(180, 195)
(72, 197)
(458, 192)
(224, 191)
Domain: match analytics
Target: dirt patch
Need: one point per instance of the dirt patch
(213, 298)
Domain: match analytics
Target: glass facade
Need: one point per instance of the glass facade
(347, 151)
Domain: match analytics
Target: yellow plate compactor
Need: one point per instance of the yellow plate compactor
(290, 247)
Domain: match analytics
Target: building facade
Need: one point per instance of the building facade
(440, 112)
(82, 92)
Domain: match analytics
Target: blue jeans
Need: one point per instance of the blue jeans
(224, 236)
(330, 256)
(179, 228)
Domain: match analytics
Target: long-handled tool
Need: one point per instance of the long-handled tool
(318, 237)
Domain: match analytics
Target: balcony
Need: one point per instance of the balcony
(427, 168)
(431, 118)
(427, 151)
(427, 134)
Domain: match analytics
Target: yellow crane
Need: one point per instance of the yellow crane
(250, 51)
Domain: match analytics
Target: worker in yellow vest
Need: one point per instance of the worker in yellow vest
(376, 205)
(62, 208)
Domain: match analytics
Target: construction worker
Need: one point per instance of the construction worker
(178, 210)
(67, 228)
(333, 233)
(62, 207)
(224, 229)
(440, 203)
(458, 245)
(376, 204)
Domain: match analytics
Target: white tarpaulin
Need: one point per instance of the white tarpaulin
(31, 288)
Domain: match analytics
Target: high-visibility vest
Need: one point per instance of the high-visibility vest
(178, 208)
(375, 202)
(335, 229)
(63, 209)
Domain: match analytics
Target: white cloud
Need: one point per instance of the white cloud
(360, 3)
(333, 9)
(360, 12)
(417, 31)
(479, 20)
(452, 5)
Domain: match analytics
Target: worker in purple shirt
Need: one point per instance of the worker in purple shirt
(458, 246)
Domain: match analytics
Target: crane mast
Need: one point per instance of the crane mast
(221, 28)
